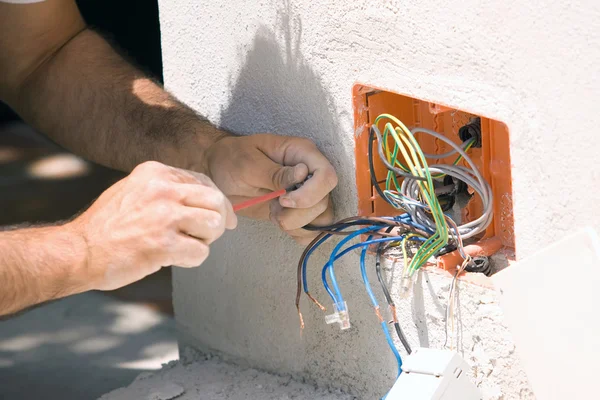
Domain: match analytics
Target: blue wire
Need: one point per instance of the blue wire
(353, 247)
(320, 242)
(339, 299)
(363, 272)
(404, 218)
(325, 284)
(388, 337)
(390, 342)
(335, 256)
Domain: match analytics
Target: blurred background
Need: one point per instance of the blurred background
(89, 344)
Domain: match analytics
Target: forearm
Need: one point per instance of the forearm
(40, 264)
(90, 100)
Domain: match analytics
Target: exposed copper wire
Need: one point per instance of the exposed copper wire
(378, 314)
(312, 244)
(315, 301)
(301, 320)
(393, 311)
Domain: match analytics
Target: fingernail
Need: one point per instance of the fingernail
(287, 202)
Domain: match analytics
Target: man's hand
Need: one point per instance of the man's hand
(248, 166)
(157, 216)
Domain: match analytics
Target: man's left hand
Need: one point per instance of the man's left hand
(248, 166)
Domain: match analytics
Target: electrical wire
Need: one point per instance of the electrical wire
(471, 176)
(390, 342)
(423, 221)
(413, 156)
(390, 301)
(399, 222)
(363, 270)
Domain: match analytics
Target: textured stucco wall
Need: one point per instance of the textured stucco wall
(288, 67)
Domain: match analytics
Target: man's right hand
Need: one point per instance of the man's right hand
(157, 216)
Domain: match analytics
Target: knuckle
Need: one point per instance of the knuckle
(216, 225)
(280, 221)
(165, 240)
(330, 176)
(157, 187)
(202, 179)
(217, 198)
(202, 253)
(162, 212)
(307, 143)
(149, 167)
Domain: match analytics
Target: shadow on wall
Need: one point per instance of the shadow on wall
(276, 91)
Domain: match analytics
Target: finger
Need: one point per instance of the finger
(324, 178)
(322, 220)
(267, 174)
(188, 252)
(230, 218)
(285, 177)
(209, 198)
(294, 218)
(206, 225)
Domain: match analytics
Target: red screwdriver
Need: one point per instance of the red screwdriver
(266, 197)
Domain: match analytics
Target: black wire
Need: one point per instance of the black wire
(480, 264)
(389, 299)
(346, 224)
(374, 181)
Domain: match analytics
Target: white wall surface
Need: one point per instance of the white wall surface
(288, 67)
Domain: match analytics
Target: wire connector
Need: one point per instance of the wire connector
(431, 374)
(406, 283)
(339, 317)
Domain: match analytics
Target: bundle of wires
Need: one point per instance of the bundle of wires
(422, 221)
(408, 196)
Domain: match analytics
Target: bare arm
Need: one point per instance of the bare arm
(68, 82)
(156, 216)
(71, 85)
(40, 264)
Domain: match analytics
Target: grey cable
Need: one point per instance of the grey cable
(385, 161)
(447, 154)
(472, 177)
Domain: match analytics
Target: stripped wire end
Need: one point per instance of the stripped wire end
(340, 316)
(394, 314)
(301, 321)
(379, 316)
(316, 302)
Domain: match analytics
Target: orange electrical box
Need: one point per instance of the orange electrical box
(492, 158)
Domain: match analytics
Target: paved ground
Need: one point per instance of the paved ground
(82, 347)
(213, 379)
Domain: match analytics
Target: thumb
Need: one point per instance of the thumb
(283, 177)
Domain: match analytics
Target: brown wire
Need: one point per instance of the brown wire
(375, 220)
(300, 262)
